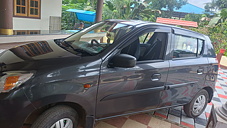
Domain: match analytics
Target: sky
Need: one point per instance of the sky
(199, 3)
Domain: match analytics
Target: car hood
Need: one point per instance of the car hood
(36, 55)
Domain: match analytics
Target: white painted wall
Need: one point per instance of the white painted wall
(48, 8)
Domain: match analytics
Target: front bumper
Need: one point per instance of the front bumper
(14, 109)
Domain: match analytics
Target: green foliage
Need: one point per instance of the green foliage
(224, 14)
(123, 9)
(217, 35)
(170, 5)
(193, 17)
(215, 5)
(221, 4)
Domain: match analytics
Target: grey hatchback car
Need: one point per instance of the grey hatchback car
(112, 68)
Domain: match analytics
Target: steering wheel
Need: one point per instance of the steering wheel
(95, 41)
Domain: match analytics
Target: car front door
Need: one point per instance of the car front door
(126, 90)
(187, 69)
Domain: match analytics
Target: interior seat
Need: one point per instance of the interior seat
(133, 49)
(154, 51)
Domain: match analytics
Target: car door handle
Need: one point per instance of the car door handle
(200, 71)
(156, 77)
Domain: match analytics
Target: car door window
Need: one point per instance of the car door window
(148, 46)
(187, 47)
(200, 47)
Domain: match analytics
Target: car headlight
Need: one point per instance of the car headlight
(11, 80)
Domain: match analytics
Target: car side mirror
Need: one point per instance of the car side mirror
(123, 61)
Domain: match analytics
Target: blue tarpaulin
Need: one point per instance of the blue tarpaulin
(84, 15)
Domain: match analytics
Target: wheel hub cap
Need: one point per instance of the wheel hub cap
(63, 123)
(199, 104)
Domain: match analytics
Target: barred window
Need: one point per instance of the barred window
(27, 8)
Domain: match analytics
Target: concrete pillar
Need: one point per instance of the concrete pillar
(99, 11)
(6, 14)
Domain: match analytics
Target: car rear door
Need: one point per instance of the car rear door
(187, 68)
(126, 90)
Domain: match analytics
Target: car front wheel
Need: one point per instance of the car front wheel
(197, 104)
(57, 117)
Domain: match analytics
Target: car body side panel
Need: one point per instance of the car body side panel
(212, 72)
(66, 85)
(183, 81)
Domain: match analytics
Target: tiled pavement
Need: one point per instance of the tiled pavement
(172, 117)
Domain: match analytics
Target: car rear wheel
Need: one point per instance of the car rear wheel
(57, 117)
(197, 104)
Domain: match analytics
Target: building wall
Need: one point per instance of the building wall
(48, 8)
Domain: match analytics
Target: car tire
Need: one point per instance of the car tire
(61, 115)
(197, 105)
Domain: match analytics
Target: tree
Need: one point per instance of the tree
(170, 5)
(193, 17)
(221, 4)
(129, 9)
(215, 5)
(224, 14)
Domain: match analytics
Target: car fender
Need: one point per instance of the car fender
(89, 107)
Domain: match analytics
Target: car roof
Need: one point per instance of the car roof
(138, 23)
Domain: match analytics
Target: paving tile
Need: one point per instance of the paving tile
(200, 121)
(219, 73)
(220, 91)
(208, 108)
(199, 126)
(133, 124)
(215, 94)
(117, 122)
(221, 82)
(175, 126)
(104, 125)
(220, 79)
(202, 116)
(224, 77)
(207, 115)
(225, 90)
(173, 118)
(160, 115)
(216, 99)
(142, 118)
(156, 123)
(217, 103)
(187, 120)
(187, 125)
(175, 112)
(223, 101)
(219, 87)
(163, 112)
(222, 96)
(224, 85)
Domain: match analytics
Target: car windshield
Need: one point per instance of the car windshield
(96, 38)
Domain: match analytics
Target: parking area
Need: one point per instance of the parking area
(172, 117)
